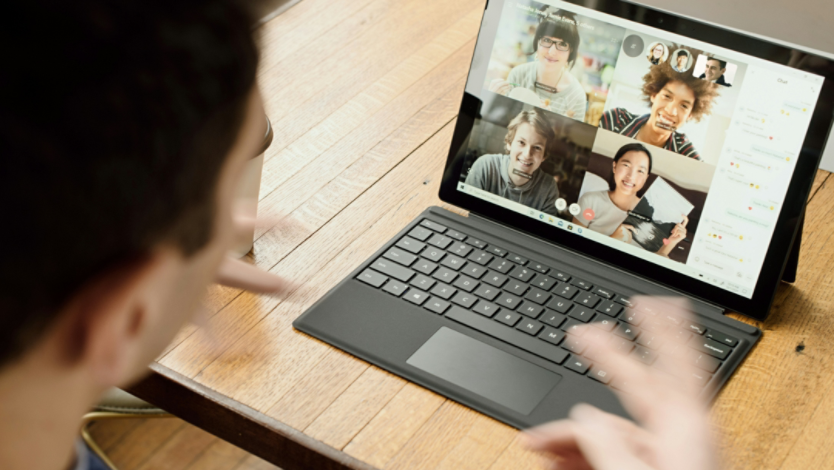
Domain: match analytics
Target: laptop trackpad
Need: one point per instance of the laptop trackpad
(482, 369)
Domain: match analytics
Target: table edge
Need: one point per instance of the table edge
(239, 424)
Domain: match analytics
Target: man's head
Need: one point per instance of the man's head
(715, 69)
(123, 131)
(682, 59)
(529, 140)
(675, 98)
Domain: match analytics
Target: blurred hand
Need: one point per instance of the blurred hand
(672, 430)
(500, 86)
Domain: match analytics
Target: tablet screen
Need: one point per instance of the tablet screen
(660, 146)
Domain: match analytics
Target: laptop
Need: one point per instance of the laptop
(603, 151)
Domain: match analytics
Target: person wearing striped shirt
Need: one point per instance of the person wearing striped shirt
(556, 46)
(675, 98)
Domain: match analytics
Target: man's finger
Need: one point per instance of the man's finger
(603, 447)
(236, 273)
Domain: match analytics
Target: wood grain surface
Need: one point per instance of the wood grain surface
(363, 96)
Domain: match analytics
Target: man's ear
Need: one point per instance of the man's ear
(104, 320)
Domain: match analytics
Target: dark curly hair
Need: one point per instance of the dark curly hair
(661, 74)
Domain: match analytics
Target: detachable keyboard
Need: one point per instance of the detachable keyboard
(539, 308)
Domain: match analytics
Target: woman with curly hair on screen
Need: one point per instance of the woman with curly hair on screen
(675, 99)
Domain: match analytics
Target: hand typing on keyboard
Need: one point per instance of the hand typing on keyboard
(672, 430)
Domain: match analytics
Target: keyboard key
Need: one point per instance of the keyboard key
(530, 309)
(400, 256)
(473, 270)
(445, 275)
(420, 233)
(706, 362)
(476, 243)
(452, 261)
(495, 279)
(395, 287)
(415, 296)
(486, 309)
(456, 235)
(560, 305)
(444, 291)
(622, 346)
(578, 364)
(582, 313)
(603, 292)
(552, 335)
(433, 225)
(587, 299)
(440, 241)
(574, 344)
(632, 316)
(522, 274)
(565, 290)
(537, 295)
(466, 283)
(487, 292)
(424, 266)
(390, 268)
(516, 287)
(436, 305)
(644, 355)
(650, 341)
(501, 265)
(654, 326)
(508, 301)
(627, 331)
(538, 267)
(722, 338)
(480, 257)
(708, 346)
(460, 249)
(496, 251)
(671, 320)
(552, 318)
(581, 284)
(561, 276)
(411, 245)
(544, 282)
(682, 336)
(422, 282)
(574, 327)
(373, 278)
(517, 259)
(695, 328)
(600, 373)
(464, 300)
(511, 336)
(433, 254)
(612, 309)
(508, 318)
(530, 327)
(624, 301)
(604, 323)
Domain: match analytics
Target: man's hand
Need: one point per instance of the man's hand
(236, 273)
(672, 434)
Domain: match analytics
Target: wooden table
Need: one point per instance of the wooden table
(363, 96)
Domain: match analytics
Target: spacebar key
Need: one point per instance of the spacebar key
(508, 335)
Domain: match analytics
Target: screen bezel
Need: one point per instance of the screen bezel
(788, 223)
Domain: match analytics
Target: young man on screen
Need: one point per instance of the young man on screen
(124, 130)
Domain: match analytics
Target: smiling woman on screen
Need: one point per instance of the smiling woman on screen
(675, 98)
(547, 81)
(606, 211)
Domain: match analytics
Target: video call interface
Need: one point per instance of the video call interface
(659, 146)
